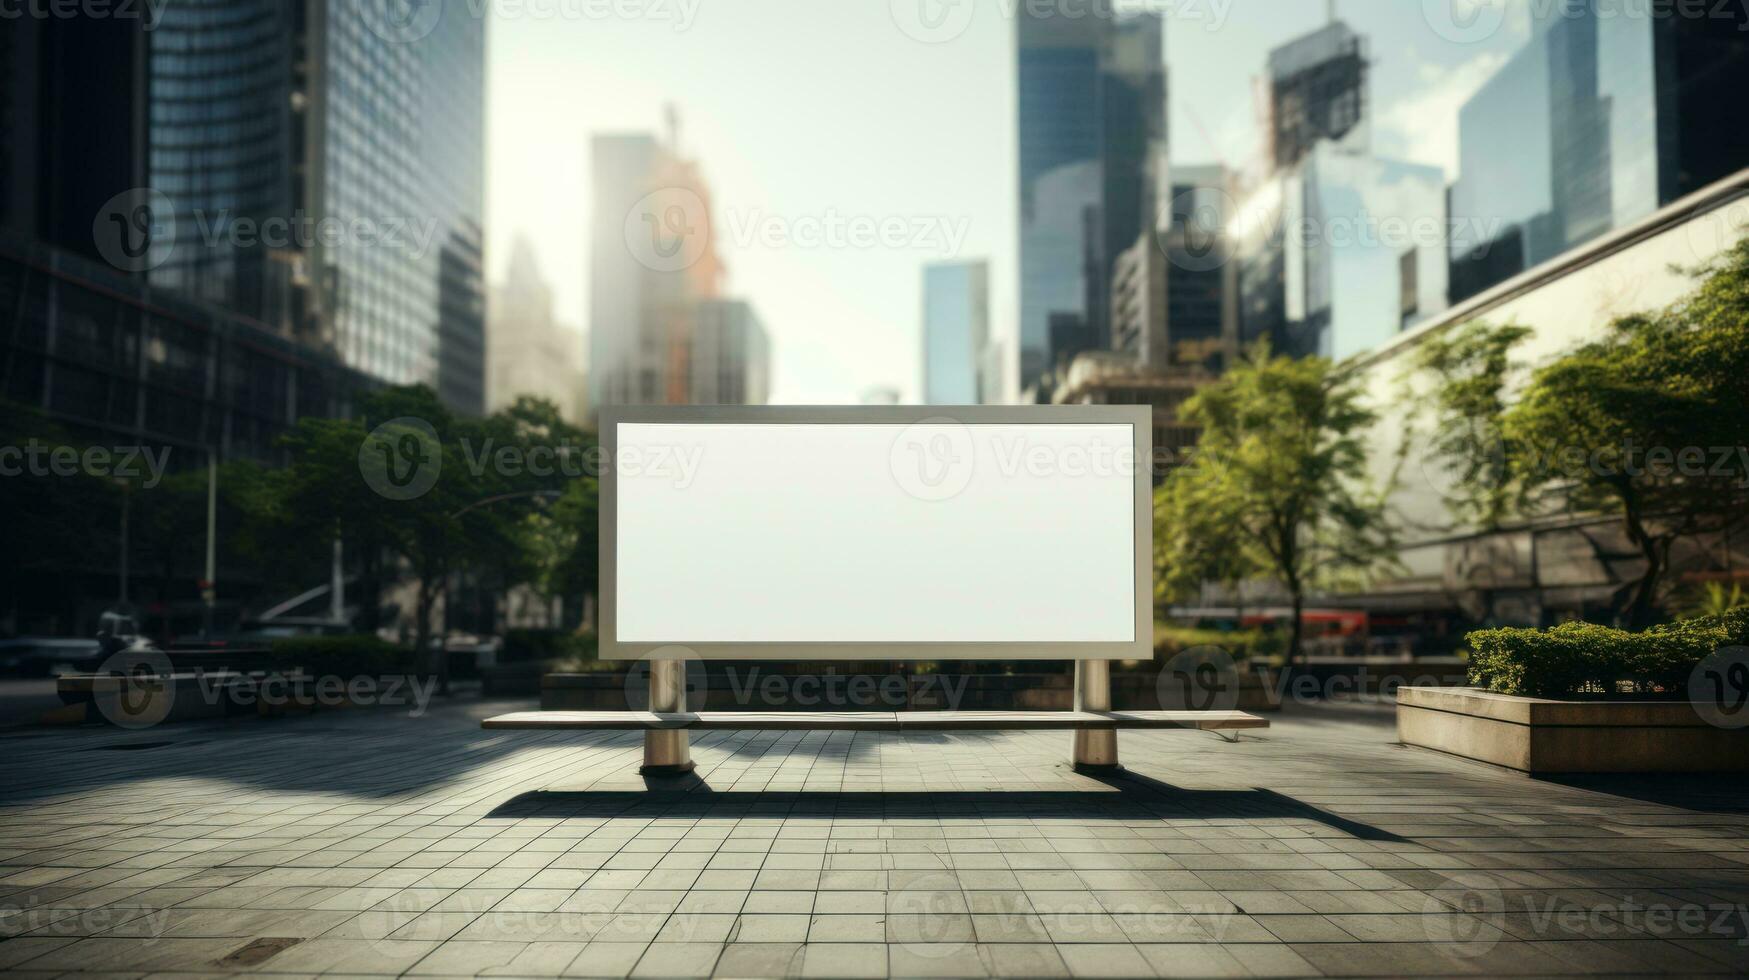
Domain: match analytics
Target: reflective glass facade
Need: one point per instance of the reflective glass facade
(1602, 118)
(110, 356)
(1092, 132)
(221, 148)
(328, 181)
(1341, 253)
(402, 147)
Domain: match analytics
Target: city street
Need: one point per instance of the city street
(372, 843)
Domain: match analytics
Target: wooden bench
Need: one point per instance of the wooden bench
(667, 750)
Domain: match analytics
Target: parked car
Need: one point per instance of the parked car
(48, 656)
(257, 633)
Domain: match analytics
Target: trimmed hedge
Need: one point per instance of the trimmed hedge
(1583, 658)
(343, 656)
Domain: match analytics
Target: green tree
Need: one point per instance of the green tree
(1282, 450)
(502, 502)
(1473, 367)
(1649, 422)
(1194, 519)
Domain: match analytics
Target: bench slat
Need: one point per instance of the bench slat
(874, 721)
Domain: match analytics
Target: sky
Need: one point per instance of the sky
(896, 115)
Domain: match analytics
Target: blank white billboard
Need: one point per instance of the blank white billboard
(922, 532)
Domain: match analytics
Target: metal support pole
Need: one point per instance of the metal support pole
(1095, 748)
(126, 500)
(337, 583)
(666, 751)
(209, 587)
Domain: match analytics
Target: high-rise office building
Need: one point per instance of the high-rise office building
(730, 356)
(1174, 292)
(1092, 138)
(1138, 302)
(1340, 253)
(400, 136)
(1337, 249)
(1202, 293)
(299, 166)
(1317, 93)
(72, 124)
(956, 331)
(528, 351)
(1602, 118)
(653, 261)
(224, 145)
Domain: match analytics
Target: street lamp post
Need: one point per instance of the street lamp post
(208, 586)
(123, 571)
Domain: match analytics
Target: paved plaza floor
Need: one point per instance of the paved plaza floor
(374, 843)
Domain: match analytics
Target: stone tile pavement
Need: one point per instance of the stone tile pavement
(374, 843)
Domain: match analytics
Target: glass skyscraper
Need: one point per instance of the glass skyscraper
(1604, 117)
(1339, 249)
(328, 179)
(1092, 132)
(956, 329)
(220, 148)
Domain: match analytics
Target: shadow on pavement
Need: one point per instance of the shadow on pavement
(1131, 796)
(1697, 792)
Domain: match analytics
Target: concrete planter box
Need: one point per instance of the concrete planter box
(1536, 735)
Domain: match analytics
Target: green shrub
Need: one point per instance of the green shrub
(343, 656)
(525, 645)
(1583, 658)
(1240, 644)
